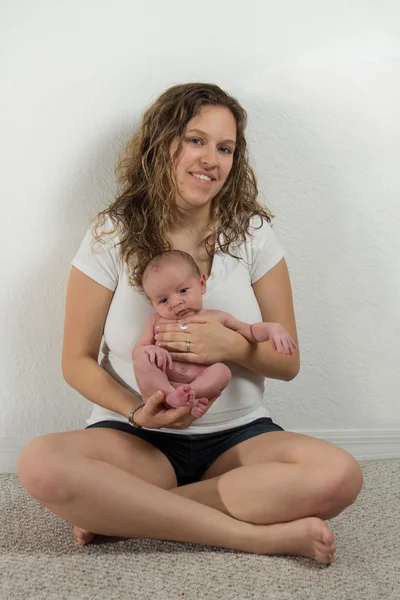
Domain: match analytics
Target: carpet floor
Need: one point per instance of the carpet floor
(40, 560)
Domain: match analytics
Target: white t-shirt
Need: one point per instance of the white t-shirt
(229, 288)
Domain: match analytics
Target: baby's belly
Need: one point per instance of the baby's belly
(183, 372)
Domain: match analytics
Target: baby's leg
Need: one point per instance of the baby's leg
(150, 379)
(208, 384)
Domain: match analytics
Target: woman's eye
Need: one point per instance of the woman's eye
(226, 150)
(183, 290)
(195, 140)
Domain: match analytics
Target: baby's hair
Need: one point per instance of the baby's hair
(168, 256)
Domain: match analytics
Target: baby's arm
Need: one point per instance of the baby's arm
(244, 329)
(260, 332)
(145, 345)
(147, 336)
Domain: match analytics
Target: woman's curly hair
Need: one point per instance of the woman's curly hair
(145, 208)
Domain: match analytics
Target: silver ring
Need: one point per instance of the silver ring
(183, 326)
(187, 346)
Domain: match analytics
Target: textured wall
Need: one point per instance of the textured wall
(322, 88)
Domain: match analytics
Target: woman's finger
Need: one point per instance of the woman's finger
(173, 415)
(178, 346)
(185, 357)
(171, 327)
(154, 401)
(171, 336)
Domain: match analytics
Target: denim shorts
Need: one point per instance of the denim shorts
(191, 455)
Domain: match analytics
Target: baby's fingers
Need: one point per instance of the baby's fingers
(277, 344)
(289, 345)
(169, 359)
(165, 363)
(161, 363)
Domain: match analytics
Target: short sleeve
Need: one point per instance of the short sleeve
(262, 248)
(99, 261)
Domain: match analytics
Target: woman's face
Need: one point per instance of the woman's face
(206, 157)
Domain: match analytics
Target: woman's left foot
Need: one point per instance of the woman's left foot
(82, 536)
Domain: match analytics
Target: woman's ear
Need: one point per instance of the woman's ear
(203, 284)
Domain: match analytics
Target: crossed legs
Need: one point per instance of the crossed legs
(264, 495)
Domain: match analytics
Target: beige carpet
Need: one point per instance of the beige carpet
(39, 558)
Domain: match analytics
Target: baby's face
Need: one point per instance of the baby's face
(175, 292)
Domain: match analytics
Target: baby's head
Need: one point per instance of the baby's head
(173, 284)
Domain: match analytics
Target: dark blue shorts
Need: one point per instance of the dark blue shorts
(191, 455)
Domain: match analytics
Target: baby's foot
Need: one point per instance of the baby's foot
(309, 537)
(199, 408)
(82, 536)
(198, 405)
(180, 396)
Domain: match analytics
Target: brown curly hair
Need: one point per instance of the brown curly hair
(145, 207)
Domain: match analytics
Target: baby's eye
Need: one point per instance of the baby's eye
(183, 290)
(163, 301)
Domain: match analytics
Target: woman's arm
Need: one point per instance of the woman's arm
(86, 309)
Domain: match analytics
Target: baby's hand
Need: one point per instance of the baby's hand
(280, 339)
(160, 357)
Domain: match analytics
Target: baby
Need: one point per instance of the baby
(174, 285)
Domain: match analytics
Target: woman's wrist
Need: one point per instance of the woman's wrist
(138, 417)
(239, 349)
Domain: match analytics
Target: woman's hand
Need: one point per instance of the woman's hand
(155, 415)
(209, 341)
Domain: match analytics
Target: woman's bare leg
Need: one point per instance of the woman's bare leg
(279, 477)
(108, 500)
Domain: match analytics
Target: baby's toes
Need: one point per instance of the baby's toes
(203, 401)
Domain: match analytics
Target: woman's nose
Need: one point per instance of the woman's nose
(209, 156)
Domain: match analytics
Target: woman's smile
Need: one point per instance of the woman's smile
(202, 178)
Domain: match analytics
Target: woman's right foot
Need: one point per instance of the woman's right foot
(309, 537)
(82, 536)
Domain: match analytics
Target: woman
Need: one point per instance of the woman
(232, 478)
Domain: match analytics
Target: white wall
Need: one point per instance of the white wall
(320, 81)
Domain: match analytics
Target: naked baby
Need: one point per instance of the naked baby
(174, 286)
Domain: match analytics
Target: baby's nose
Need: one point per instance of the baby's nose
(177, 301)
